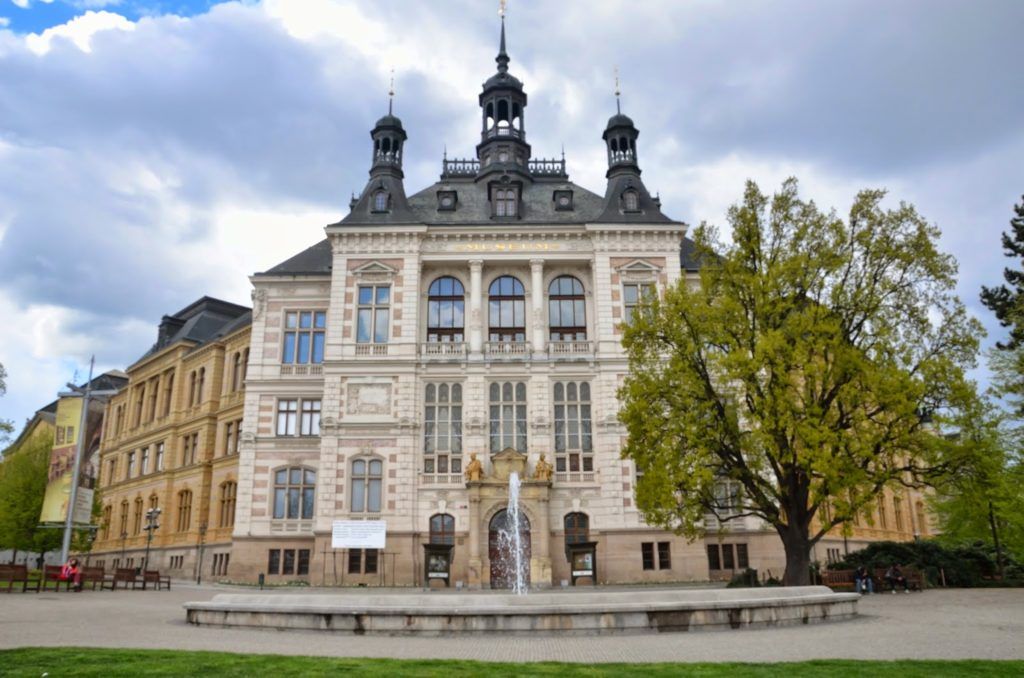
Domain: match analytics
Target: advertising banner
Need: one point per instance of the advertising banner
(62, 461)
(358, 534)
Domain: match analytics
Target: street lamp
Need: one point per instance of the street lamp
(152, 524)
(202, 543)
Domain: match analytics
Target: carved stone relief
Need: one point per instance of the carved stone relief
(368, 398)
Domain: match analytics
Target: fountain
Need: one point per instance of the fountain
(510, 539)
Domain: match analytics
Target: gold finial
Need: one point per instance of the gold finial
(501, 9)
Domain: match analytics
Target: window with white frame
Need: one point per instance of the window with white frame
(567, 314)
(296, 416)
(144, 462)
(373, 314)
(294, 491)
(367, 482)
(158, 461)
(574, 443)
(446, 310)
(304, 337)
(309, 422)
(442, 431)
(508, 416)
(505, 201)
(506, 309)
(287, 415)
(634, 294)
(130, 469)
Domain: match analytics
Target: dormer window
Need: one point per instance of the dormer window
(505, 201)
(631, 201)
(446, 201)
(563, 201)
(380, 201)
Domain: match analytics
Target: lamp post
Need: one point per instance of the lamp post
(202, 543)
(124, 538)
(152, 524)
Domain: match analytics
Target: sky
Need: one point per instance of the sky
(154, 152)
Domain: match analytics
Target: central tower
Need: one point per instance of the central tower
(503, 146)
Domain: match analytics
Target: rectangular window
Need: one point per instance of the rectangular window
(742, 559)
(303, 564)
(373, 314)
(238, 436)
(370, 561)
(714, 560)
(574, 445)
(728, 563)
(304, 337)
(647, 554)
(144, 467)
(158, 462)
(505, 201)
(355, 561)
(286, 414)
(664, 555)
(130, 469)
(289, 562)
(112, 470)
(442, 429)
(508, 416)
(229, 437)
(310, 424)
(273, 561)
(633, 295)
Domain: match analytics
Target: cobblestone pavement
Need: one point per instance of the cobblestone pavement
(936, 624)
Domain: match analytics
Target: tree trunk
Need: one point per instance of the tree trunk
(798, 556)
(14, 556)
(995, 539)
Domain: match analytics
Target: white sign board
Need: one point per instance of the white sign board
(358, 534)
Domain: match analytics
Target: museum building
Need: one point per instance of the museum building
(433, 344)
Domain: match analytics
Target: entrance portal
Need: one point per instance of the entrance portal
(503, 565)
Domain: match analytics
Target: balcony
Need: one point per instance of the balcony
(371, 349)
(443, 350)
(510, 350)
(302, 370)
(570, 350)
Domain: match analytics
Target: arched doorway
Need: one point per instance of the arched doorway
(502, 559)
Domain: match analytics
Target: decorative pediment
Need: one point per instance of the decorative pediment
(374, 268)
(639, 266)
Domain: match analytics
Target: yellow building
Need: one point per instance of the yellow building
(171, 442)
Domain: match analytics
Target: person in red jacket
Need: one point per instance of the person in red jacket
(72, 572)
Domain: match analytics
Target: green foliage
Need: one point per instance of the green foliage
(1007, 301)
(73, 661)
(800, 367)
(6, 427)
(22, 488)
(963, 565)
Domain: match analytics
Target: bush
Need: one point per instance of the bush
(964, 566)
(744, 580)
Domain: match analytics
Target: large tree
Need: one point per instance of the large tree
(811, 363)
(22, 487)
(1007, 301)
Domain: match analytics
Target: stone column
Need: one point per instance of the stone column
(541, 575)
(475, 306)
(473, 576)
(537, 304)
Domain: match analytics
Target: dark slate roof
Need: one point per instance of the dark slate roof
(108, 381)
(200, 322)
(688, 259)
(315, 260)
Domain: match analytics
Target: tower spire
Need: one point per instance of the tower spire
(502, 57)
(618, 92)
(391, 92)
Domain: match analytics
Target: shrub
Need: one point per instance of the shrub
(965, 566)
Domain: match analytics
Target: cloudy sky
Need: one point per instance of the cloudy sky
(153, 152)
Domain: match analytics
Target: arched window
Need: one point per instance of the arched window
(154, 502)
(245, 367)
(567, 314)
(508, 416)
(922, 519)
(505, 202)
(137, 517)
(442, 529)
(192, 388)
(124, 519)
(380, 200)
(446, 310)
(294, 490)
(367, 477)
(506, 300)
(577, 529)
(199, 385)
(236, 372)
(631, 201)
(228, 492)
(108, 517)
(184, 510)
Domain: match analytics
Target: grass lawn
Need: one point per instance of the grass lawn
(73, 661)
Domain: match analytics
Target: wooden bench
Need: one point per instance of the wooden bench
(126, 576)
(51, 573)
(94, 576)
(18, 574)
(154, 578)
(914, 577)
(839, 579)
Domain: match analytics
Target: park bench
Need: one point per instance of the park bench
(51, 573)
(914, 577)
(94, 576)
(18, 574)
(156, 580)
(126, 576)
(838, 579)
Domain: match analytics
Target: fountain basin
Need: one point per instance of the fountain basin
(575, 612)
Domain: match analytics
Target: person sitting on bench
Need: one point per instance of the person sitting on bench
(894, 575)
(71, 572)
(863, 581)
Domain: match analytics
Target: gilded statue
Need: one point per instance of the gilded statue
(542, 470)
(474, 469)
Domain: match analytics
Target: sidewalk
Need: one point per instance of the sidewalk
(936, 624)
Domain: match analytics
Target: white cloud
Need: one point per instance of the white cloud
(79, 31)
(4, 22)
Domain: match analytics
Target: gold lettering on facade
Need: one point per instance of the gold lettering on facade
(507, 247)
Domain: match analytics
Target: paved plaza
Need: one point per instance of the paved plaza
(937, 624)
